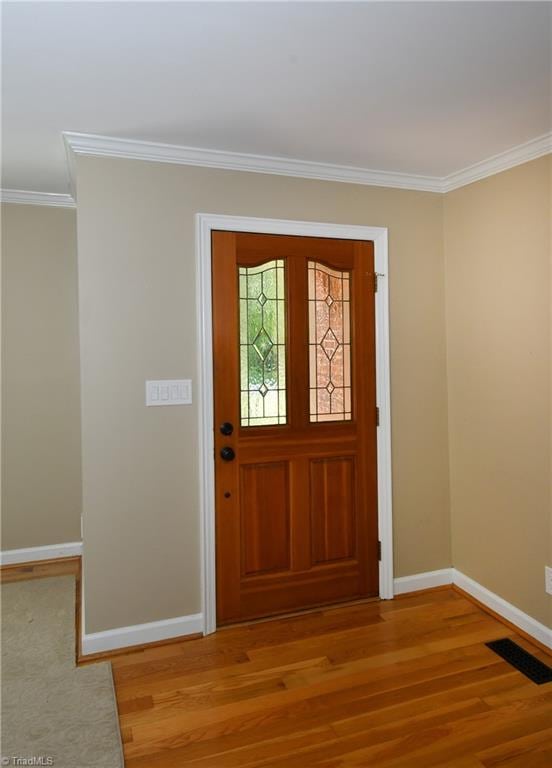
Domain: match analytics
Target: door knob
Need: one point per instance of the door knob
(226, 428)
(227, 453)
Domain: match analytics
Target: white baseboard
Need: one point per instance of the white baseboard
(497, 604)
(49, 552)
(154, 631)
(419, 581)
(139, 634)
(508, 611)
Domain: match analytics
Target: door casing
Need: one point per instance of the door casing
(205, 223)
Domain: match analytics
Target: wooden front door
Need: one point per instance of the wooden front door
(295, 423)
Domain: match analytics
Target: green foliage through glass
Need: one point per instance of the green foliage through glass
(262, 344)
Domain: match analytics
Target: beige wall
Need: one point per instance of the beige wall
(138, 320)
(41, 489)
(138, 304)
(497, 246)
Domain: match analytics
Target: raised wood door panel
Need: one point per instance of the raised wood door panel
(264, 514)
(332, 504)
(296, 509)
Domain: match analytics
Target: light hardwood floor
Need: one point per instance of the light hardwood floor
(405, 683)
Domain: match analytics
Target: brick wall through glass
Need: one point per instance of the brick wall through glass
(329, 343)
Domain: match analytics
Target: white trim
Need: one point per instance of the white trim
(206, 423)
(523, 621)
(523, 153)
(383, 397)
(25, 197)
(32, 554)
(71, 167)
(139, 634)
(427, 580)
(132, 149)
(205, 223)
(508, 611)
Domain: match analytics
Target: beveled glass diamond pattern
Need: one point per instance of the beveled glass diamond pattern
(262, 322)
(329, 343)
(262, 344)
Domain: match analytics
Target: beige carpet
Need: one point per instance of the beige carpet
(50, 708)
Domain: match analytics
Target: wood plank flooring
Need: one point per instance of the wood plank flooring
(406, 683)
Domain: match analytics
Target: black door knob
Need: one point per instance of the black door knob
(226, 428)
(227, 453)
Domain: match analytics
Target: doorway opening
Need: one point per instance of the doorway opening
(296, 477)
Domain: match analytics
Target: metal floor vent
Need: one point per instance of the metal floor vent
(522, 660)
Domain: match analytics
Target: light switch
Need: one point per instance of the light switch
(169, 392)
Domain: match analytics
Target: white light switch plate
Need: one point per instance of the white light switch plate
(169, 392)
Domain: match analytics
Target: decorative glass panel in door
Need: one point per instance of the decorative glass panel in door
(329, 343)
(262, 344)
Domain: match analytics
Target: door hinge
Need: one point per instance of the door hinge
(379, 550)
(377, 417)
(377, 276)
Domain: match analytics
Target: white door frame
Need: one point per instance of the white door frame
(205, 223)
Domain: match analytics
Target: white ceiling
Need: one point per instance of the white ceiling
(415, 87)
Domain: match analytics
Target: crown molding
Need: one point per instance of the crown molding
(25, 197)
(131, 149)
(523, 153)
